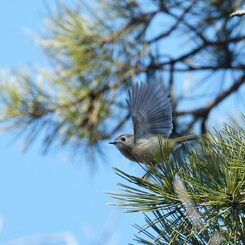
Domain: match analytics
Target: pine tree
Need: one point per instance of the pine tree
(197, 197)
(97, 52)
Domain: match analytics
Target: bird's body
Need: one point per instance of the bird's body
(149, 150)
(141, 151)
(151, 113)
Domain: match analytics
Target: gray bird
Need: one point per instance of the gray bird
(151, 112)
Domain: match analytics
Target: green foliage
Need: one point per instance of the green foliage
(193, 197)
(34, 107)
(71, 103)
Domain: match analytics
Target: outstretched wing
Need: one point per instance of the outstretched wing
(151, 110)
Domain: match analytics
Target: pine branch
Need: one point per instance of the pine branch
(195, 197)
(238, 13)
(203, 112)
(96, 58)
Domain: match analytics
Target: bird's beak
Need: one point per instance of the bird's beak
(114, 142)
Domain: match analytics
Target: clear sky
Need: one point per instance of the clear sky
(47, 199)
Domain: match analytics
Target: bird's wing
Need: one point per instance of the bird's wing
(151, 110)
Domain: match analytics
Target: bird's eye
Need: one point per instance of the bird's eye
(123, 139)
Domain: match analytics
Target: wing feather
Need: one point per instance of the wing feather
(151, 110)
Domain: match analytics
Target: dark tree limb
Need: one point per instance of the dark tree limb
(204, 111)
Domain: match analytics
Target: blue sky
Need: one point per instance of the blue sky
(47, 199)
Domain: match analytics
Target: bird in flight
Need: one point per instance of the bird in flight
(151, 112)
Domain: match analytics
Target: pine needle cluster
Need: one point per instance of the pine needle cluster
(196, 197)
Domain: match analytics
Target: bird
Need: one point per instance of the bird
(151, 111)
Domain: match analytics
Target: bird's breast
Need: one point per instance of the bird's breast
(149, 150)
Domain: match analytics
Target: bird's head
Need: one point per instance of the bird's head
(123, 141)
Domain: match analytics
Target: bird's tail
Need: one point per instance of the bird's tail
(184, 138)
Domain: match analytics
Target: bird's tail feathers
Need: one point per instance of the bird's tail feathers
(185, 138)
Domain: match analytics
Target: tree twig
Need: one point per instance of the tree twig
(204, 111)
